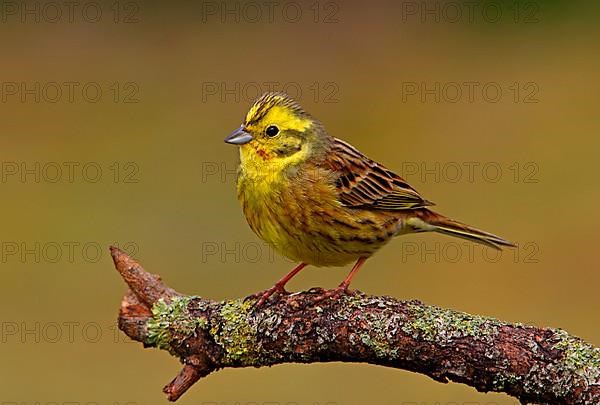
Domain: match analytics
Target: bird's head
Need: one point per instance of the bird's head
(278, 133)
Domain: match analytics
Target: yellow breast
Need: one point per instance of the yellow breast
(298, 214)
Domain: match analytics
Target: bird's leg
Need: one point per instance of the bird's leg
(280, 285)
(343, 287)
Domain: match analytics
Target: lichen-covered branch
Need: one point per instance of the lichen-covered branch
(536, 365)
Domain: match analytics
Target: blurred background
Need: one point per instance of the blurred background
(112, 118)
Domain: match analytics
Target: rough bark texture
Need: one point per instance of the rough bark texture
(535, 365)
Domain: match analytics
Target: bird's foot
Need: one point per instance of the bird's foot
(265, 295)
(335, 293)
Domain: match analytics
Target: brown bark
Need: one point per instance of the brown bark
(535, 365)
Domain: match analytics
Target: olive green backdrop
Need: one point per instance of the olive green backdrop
(112, 119)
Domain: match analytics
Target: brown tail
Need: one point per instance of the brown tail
(427, 220)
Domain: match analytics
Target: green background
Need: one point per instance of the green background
(166, 188)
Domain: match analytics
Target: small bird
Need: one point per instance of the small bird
(317, 200)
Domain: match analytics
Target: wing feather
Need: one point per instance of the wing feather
(364, 183)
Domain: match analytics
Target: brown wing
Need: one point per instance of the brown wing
(363, 183)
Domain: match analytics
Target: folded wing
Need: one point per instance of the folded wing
(364, 183)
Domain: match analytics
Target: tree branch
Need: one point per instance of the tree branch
(536, 365)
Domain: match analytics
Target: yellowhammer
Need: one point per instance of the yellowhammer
(317, 200)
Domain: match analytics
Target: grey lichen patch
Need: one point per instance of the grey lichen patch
(580, 357)
(383, 321)
(429, 323)
(236, 334)
(172, 322)
(381, 336)
(442, 325)
(503, 380)
(351, 305)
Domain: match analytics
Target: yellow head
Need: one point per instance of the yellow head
(277, 134)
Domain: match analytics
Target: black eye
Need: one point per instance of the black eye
(272, 130)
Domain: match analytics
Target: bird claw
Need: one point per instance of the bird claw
(265, 295)
(335, 293)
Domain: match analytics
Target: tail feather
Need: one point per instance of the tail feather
(428, 220)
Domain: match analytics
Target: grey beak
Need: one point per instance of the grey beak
(239, 136)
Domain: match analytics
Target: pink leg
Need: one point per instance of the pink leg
(346, 283)
(280, 285)
(343, 287)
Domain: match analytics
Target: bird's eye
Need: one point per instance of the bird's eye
(272, 130)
